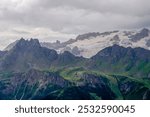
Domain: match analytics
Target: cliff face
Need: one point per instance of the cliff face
(27, 55)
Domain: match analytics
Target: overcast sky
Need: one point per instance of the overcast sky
(49, 20)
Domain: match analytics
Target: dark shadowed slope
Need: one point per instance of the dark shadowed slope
(123, 60)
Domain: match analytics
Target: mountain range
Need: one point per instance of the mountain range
(31, 70)
(87, 45)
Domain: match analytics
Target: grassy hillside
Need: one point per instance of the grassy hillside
(72, 83)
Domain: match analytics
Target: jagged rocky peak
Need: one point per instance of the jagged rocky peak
(142, 34)
(75, 50)
(115, 38)
(22, 43)
(34, 42)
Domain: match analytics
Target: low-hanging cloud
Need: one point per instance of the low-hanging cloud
(49, 20)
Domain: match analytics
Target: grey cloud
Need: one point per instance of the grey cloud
(132, 7)
(69, 17)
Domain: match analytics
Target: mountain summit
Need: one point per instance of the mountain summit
(22, 43)
(117, 59)
(28, 54)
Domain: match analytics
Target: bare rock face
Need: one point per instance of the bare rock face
(142, 34)
(33, 84)
(87, 36)
(93, 34)
(75, 51)
(27, 55)
(115, 39)
(148, 43)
